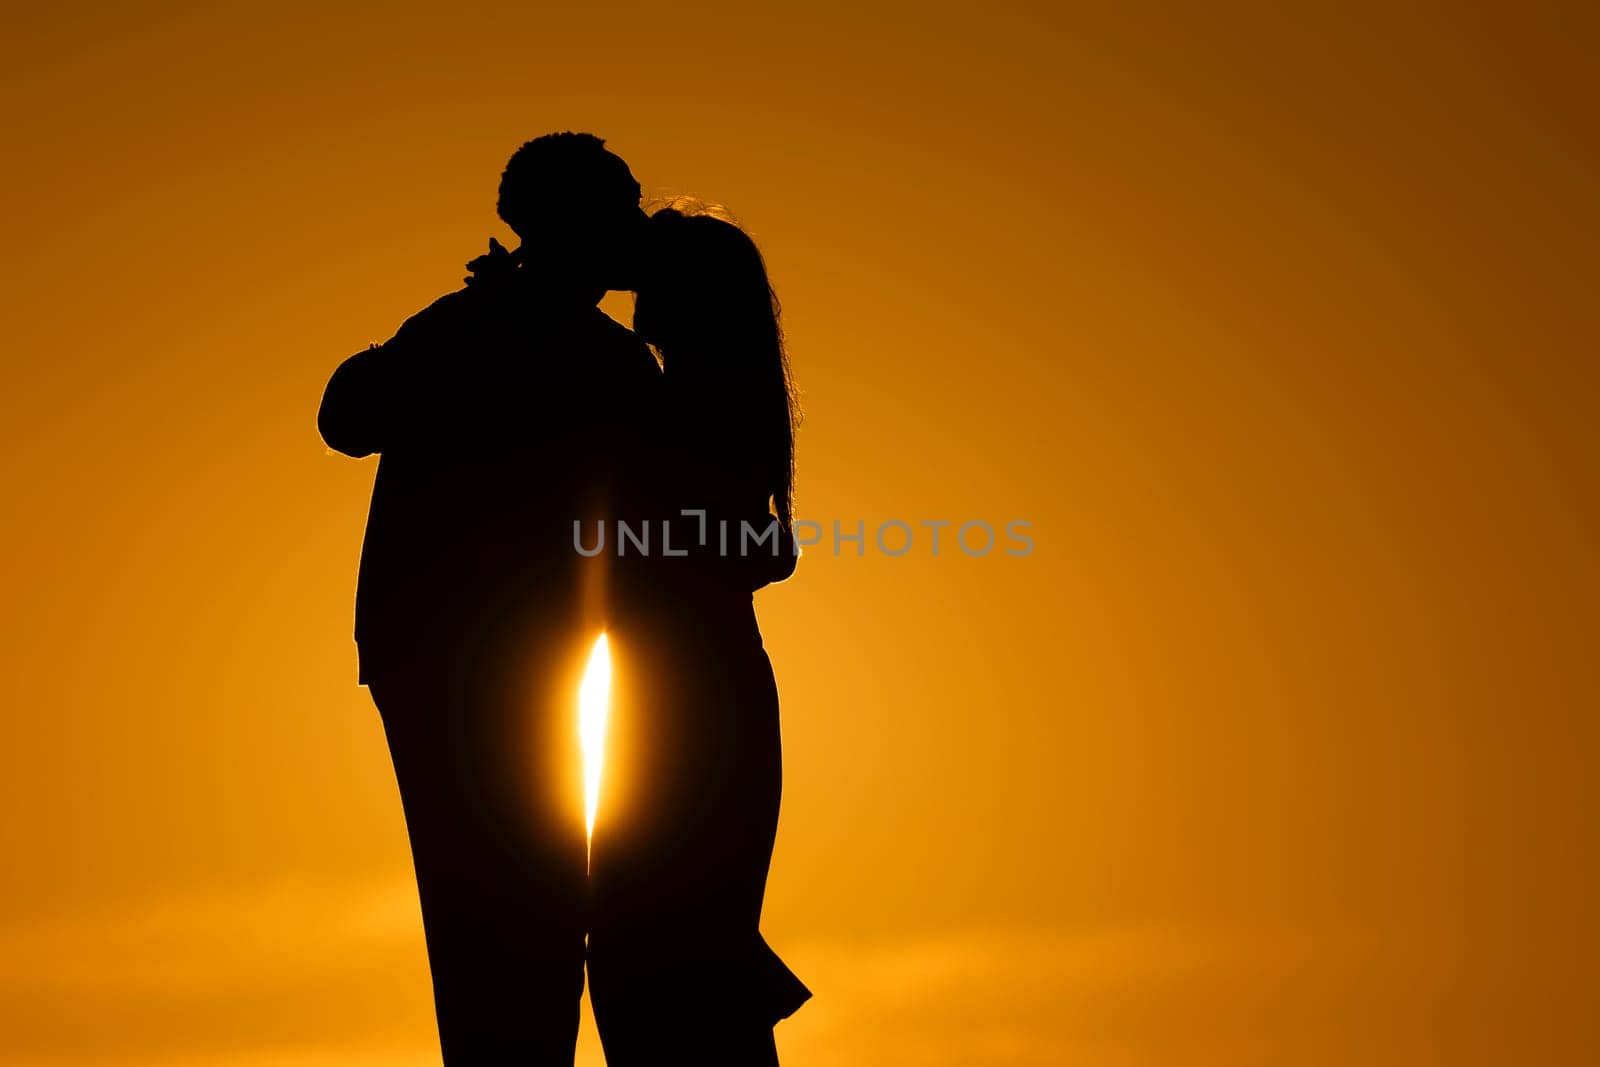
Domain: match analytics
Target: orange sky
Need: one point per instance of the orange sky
(1279, 328)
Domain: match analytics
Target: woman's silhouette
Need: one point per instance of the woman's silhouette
(679, 971)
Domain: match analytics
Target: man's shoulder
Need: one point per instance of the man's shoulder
(448, 311)
(437, 323)
(503, 315)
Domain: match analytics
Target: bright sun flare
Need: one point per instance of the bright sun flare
(594, 701)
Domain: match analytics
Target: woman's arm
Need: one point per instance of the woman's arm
(771, 559)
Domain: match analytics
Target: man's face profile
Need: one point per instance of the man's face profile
(576, 208)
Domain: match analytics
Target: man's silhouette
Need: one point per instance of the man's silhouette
(503, 412)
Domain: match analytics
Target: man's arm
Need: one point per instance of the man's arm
(370, 396)
(351, 417)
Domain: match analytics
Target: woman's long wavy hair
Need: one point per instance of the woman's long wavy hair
(712, 314)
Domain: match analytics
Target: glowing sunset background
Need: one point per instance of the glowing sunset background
(1278, 327)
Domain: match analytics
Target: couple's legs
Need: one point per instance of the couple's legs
(500, 874)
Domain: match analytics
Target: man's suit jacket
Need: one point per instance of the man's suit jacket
(501, 416)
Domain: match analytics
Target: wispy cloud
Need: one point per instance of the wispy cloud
(287, 972)
(1135, 994)
(306, 974)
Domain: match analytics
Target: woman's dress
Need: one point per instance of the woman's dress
(693, 778)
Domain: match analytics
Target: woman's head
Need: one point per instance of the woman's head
(707, 306)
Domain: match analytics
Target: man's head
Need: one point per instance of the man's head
(576, 208)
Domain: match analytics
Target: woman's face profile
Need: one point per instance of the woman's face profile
(659, 303)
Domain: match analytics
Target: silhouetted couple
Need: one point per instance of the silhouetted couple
(509, 416)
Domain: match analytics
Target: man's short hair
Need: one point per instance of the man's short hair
(561, 169)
